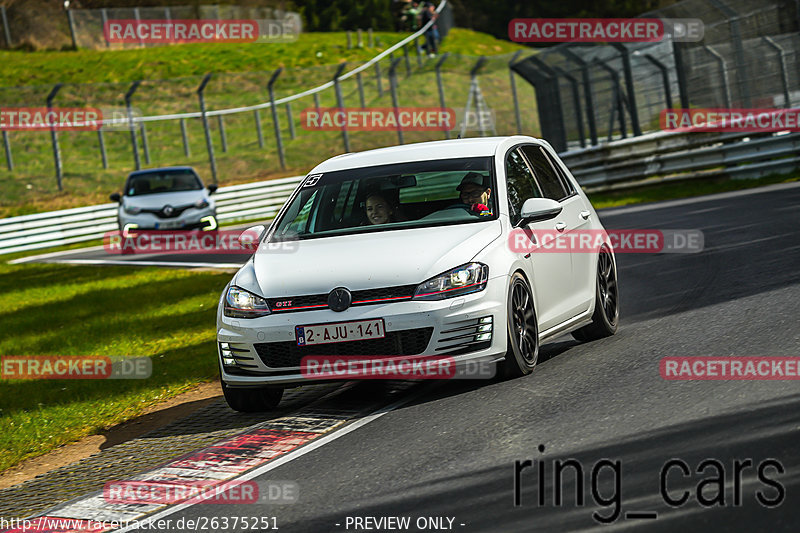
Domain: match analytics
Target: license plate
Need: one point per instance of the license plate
(340, 332)
(169, 225)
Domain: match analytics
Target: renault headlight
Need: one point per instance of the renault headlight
(461, 280)
(132, 209)
(242, 304)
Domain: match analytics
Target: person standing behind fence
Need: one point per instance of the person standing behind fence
(431, 34)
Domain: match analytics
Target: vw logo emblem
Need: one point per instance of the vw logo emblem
(168, 209)
(339, 299)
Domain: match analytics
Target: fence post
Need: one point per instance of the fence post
(6, 31)
(576, 101)
(626, 69)
(378, 79)
(514, 91)
(185, 138)
(209, 145)
(393, 89)
(680, 72)
(104, 18)
(101, 140)
(316, 101)
(723, 74)
(7, 146)
(664, 78)
(145, 144)
(275, 123)
(54, 136)
(360, 90)
(360, 39)
(440, 85)
(370, 39)
(71, 23)
(222, 136)
(257, 116)
(782, 61)
(408, 62)
(290, 119)
(736, 38)
(136, 16)
(349, 40)
(132, 124)
(340, 103)
(616, 104)
(419, 52)
(473, 93)
(587, 91)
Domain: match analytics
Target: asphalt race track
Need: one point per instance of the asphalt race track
(447, 450)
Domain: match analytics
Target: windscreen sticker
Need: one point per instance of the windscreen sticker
(312, 180)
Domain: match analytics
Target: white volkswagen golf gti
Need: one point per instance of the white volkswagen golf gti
(410, 251)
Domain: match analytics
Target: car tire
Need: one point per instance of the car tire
(523, 332)
(252, 400)
(606, 305)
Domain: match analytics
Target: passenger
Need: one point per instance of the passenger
(379, 210)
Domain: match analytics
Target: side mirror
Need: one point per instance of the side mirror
(538, 209)
(250, 238)
(115, 197)
(212, 188)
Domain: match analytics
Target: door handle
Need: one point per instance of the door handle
(585, 215)
(561, 226)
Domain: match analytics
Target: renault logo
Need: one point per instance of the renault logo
(339, 299)
(168, 209)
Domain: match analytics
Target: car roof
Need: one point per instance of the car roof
(161, 169)
(450, 149)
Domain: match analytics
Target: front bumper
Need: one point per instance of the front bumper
(266, 353)
(190, 219)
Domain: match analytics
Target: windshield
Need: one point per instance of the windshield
(387, 197)
(163, 181)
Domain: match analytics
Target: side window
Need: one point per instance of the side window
(545, 173)
(520, 184)
(564, 179)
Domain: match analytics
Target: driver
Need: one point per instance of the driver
(474, 193)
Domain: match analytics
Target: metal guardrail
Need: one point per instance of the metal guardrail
(57, 228)
(681, 154)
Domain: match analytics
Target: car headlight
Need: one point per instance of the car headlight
(201, 204)
(132, 209)
(242, 304)
(461, 280)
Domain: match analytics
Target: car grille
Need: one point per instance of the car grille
(320, 301)
(403, 342)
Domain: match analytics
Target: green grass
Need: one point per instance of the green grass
(681, 189)
(32, 186)
(167, 315)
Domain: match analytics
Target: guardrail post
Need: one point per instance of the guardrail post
(616, 101)
(340, 103)
(378, 79)
(223, 137)
(517, 116)
(587, 91)
(576, 101)
(132, 124)
(7, 147)
(782, 61)
(290, 119)
(102, 142)
(185, 137)
(664, 78)
(6, 32)
(209, 145)
(259, 133)
(54, 136)
(393, 90)
(723, 74)
(360, 90)
(275, 123)
(626, 69)
(440, 86)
